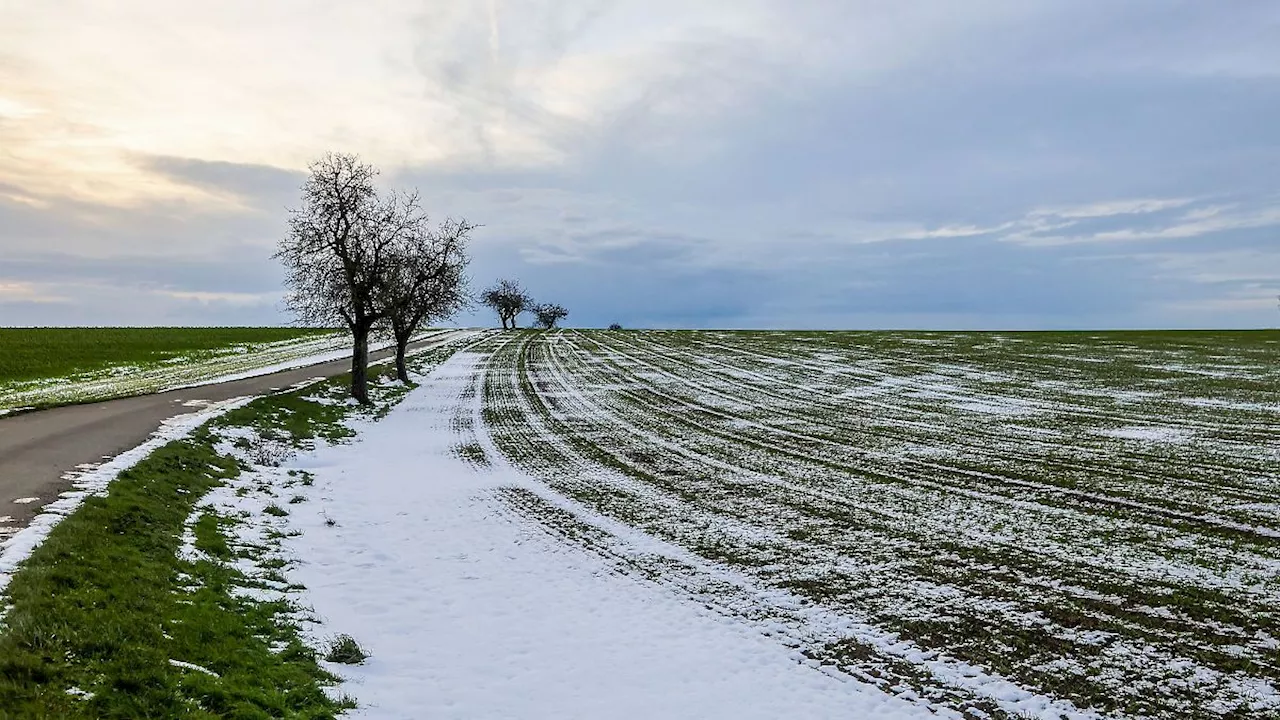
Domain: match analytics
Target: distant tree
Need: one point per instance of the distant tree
(426, 278)
(337, 251)
(507, 298)
(548, 314)
(615, 326)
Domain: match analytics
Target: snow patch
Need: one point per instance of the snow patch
(95, 480)
(301, 362)
(1150, 433)
(192, 666)
(1004, 406)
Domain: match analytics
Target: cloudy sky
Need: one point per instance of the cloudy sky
(662, 163)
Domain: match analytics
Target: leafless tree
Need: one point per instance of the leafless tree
(548, 314)
(508, 298)
(426, 280)
(337, 251)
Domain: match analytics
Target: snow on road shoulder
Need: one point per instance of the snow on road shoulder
(468, 613)
(341, 353)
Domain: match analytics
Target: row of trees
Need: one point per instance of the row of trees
(509, 299)
(370, 261)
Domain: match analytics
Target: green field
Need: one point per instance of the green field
(36, 353)
(1092, 517)
(43, 367)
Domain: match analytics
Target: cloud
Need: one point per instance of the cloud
(228, 298)
(27, 292)
(1193, 223)
(246, 186)
(999, 163)
(1112, 208)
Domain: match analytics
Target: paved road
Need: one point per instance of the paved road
(38, 448)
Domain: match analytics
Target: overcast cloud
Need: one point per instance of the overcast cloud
(724, 163)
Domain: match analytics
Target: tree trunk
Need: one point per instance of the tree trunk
(402, 348)
(360, 364)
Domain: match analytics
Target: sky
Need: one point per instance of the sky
(923, 164)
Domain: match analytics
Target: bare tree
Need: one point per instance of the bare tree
(507, 298)
(426, 280)
(548, 314)
(338, 249)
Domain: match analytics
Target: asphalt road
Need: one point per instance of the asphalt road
(38, 448)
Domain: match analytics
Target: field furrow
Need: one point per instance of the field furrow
(952, 498)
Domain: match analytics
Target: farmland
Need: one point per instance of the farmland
(973, 525)
(52, 366)
(998, 523)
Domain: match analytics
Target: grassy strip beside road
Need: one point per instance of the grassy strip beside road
(105, 605)
(35, 353)
(147, 603)
(48, 367)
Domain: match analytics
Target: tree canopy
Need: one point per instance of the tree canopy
(359, 258)
(548, 314)
(508, 299)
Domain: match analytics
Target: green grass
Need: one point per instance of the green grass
(344, 649)
(105, 603)
(35, 353)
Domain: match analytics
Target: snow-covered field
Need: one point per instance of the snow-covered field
(803, 525)
(231, 363)
(470, 611)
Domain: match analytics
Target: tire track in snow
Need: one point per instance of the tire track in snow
(560, 399)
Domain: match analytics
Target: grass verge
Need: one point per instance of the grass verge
(33, 353)
(107, 621)
(112, 617)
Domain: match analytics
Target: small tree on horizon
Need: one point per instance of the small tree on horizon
(508, 299)
(548, 314)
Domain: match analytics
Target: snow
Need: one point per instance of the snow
(1218, 403)
(300, 362)
(93, 480)
(1005, 406)
(470, 612)
(234, 363)
(192, 666)
(1149, 433)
